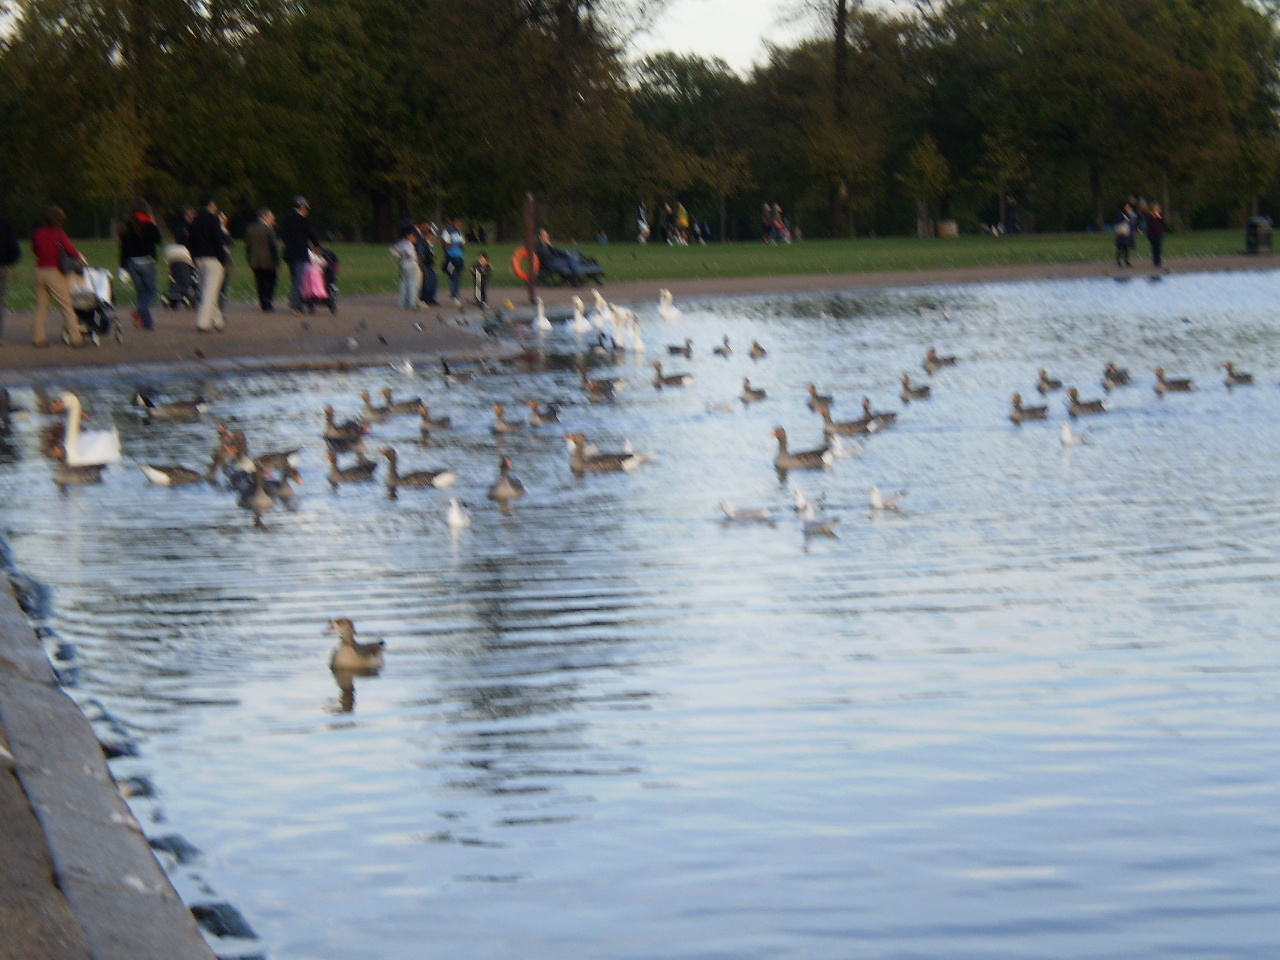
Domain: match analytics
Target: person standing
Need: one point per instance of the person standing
(1124, 235)
(427, 264)
(138, 240)
(208, 246)
(642, 225)
(262, 251)
(1155, 234)
(406, 254)
(454, 240)
(50, 244)
(481, 272)
(299, 236)
(10, 253)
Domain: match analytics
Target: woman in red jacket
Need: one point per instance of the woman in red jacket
(47, 243)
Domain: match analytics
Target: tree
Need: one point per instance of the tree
(927, 177)
(1003, 167)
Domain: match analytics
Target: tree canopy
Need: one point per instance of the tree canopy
(380, 109)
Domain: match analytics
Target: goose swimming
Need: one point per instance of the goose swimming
(817, 459)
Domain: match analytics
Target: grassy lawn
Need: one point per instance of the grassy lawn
(368, 268)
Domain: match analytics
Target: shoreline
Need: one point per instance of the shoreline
(369, 330)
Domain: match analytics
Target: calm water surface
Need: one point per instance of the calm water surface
(1033, 717)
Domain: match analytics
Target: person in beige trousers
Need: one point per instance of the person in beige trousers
(48, 243)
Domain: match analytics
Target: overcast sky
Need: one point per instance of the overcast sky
(730, 29)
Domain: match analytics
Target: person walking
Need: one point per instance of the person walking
(406, 253)
(208, 246)
(427, 264)
(51, 245)
(1155, 234)
(1125, 227)
(262, 251)
(454, 240)
(138, 240)
(299, 236)
(10, 253)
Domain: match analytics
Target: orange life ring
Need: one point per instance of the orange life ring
(518, 261)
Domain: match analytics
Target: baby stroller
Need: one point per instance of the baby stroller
(320, 281)
(91, 300)
(183, 289)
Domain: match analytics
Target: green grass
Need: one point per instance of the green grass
(368, 268)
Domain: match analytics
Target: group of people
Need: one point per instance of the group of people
(415, 253)
(1137, 216)
(775, 227)
(677, 228)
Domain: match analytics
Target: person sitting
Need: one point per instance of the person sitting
(552, 258)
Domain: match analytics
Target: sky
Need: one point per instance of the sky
(729, 29)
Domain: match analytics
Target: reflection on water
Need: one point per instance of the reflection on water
(1032, 716)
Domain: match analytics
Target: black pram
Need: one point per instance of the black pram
(183, 288)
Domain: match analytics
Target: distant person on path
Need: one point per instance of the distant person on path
(138, 240)
(1124, 235)
(207, 242)
(405, 252)
(642, 225)
(299, 236)
(766, 222)
(1155, 234)
(1011, 215)
(50, 243)
(262, 251)
(427, 264)
(10, 253)
(454, 240)
(682, 225)
(480, 273)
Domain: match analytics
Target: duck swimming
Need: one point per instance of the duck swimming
(910, 393)
(501, 425)
(883, 418)
(1047, 384)
(1113, 377)
(401, 406)
(676, 350)
(543, 416)
(418, 479)
(580, 461)
(178, 410)
(1163, 386)
(347, 430)
(751, 394)
(361, 471)
(1235, 379)
(351, 655)
(932, 362)
(1076, 406)
(757, 352)
(817, 399)
(670, 380)
(177, 476)
(1021, 413)
(724, 350)
(817, 459)
(430, 423)
(506, 488)
(847, 428)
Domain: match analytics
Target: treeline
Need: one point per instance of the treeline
(880, 123)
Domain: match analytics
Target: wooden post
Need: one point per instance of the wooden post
(530, 211)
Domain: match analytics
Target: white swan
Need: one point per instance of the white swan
(581, 326)
(603, 313)
(666, 306)
(544, 325)
(93, 448)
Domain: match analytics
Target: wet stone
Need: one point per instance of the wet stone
(223, 920)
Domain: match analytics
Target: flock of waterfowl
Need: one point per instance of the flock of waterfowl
(261, 481)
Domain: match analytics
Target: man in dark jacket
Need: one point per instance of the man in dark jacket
(10, 253)
(263, 254)
(207, 242)
(299, 235)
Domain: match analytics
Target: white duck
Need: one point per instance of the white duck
(543, 324)
(880, 502)
(581, 325)
(1070, 439)
(459, 517)
(666, 306)
(92, 448)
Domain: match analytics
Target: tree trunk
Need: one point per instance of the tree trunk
(722, 212)
(1004, 210)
